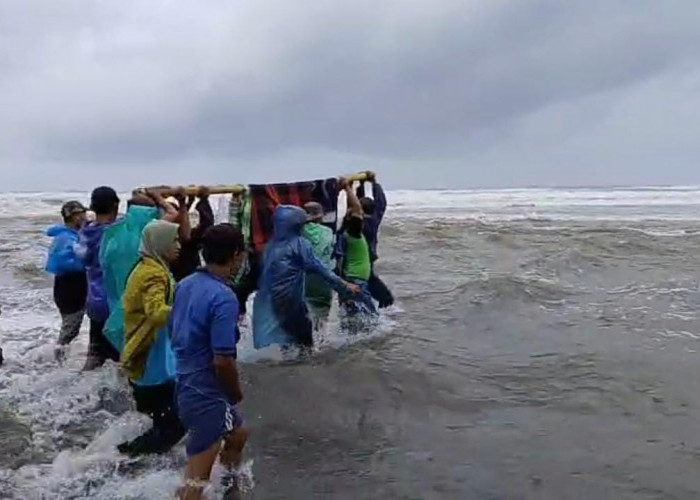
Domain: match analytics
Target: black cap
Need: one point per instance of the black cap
(70, 208)
(103, 198)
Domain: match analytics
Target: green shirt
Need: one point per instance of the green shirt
(357, 259)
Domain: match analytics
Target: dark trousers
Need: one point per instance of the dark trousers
(100, 349)
(160, 404)
(379, 291)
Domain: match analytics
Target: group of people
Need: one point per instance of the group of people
(304, 262)
(165, 307)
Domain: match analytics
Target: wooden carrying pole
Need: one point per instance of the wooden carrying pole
(232, 189)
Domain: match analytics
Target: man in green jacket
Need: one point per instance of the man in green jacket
(318, 293)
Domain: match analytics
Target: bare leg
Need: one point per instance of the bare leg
(231, 458)
(232, 452)
(198, 473)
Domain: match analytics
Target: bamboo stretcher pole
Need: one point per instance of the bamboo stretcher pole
(232, 189)
(191, 190)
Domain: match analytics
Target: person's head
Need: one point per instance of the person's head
(74, 214)
(223, 249)
(104, 202)
(354, 225)
(139, 200)
(314, 212)
(173, 202)
(368, 206)
(288, 222)
(160, 241)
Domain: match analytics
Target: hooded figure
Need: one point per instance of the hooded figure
(65, 262)
(147, 303)
(280, 313)
(148, 358)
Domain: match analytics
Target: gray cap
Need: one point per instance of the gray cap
(71, 208)
(314, 211)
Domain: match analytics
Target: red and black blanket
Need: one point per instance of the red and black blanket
(267, 197)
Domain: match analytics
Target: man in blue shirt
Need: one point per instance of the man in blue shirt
(204, 337)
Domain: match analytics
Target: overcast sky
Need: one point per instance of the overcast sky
(443, 93)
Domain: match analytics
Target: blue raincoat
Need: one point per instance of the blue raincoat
(280, 315)
(118, 256)
(65, 254)
(91, 238)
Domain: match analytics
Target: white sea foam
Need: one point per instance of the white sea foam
(53, 400)
(79, 418)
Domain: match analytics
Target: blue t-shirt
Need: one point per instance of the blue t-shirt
(203, 323)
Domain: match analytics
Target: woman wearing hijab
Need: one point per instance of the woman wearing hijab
(147, 358)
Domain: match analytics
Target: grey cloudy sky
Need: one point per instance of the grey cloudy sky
(448, 93)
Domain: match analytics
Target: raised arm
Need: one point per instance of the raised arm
(354, 205)
(183, 219)
(169, 213)
(380, 203)
(206, 213)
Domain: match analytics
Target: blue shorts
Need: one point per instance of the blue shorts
(207, 420)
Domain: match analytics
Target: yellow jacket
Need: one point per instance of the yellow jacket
(147, 301)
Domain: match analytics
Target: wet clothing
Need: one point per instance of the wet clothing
(65, 261)
(379, 291)
(361, 304)
(65, 254)
(70, 326)
(373, 221)
(356, 261)
(206, 425)
(318, 293)
(100, 349)
(147, 357)
(147, 299)
(204, 323)
(160, 404)
(97, 306)
(355, 265)
(280, 314)
(189, 259)
(70, 292)
(360, 314)
(119, 253)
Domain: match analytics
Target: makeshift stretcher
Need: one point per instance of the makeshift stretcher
(233, 189)
(251, 211)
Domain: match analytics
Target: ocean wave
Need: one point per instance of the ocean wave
(632, 204)
(491, 287)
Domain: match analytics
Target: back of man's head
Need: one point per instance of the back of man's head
(104, 201)
(354, 225)
(368, 206)
(221, 243)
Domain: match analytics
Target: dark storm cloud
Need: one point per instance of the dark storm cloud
(480, 92)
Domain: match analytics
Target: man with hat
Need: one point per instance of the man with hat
(65, 262)
(319, 294)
